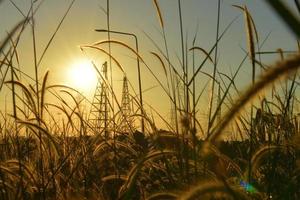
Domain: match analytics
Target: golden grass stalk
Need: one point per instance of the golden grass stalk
(163, 195)
(250, 26)
(28, 94)
(38, 130)
(226, 92)
(161, 62)
(261, 154)
(99, 149)
(120, 43)
(212, 188)
(249, 29)
(28, 170)
(210, 51)
(159, 13)
(139, 57)
(12, 32)
(43, 91)
(114, 177)
(126, 188)
(172, 69)
(106, 53)
(249, 20)
(280, 70)
(287, 16)
(203, 51)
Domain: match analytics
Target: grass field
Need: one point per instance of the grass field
(248, 146)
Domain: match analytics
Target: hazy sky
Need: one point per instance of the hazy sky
(139, 17)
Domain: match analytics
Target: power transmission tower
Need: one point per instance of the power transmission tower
(126, 109)
(100, 111)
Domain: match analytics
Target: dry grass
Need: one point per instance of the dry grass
(43, 157)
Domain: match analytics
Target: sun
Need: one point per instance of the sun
(83, 76)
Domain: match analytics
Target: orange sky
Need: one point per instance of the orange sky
(139, 16)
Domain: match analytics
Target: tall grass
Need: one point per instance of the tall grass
(44, 156)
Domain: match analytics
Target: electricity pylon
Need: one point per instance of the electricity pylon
(126, 109)
(100, 111)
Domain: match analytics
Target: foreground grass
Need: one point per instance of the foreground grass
(42, 157)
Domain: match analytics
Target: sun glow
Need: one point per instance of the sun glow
(83, 76)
